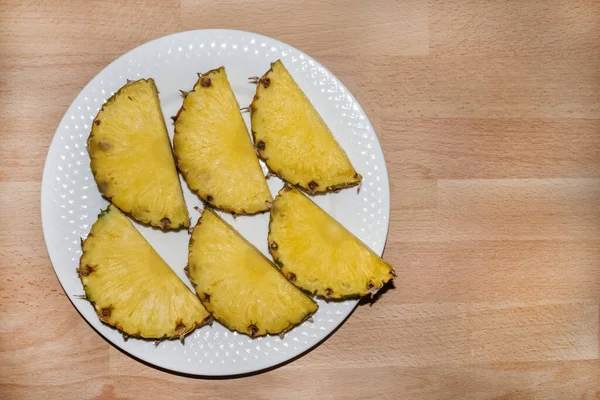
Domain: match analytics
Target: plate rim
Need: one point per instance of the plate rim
(45, 205)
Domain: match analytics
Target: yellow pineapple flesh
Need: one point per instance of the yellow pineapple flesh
(131, 287)
(239, 285)
(214, 151)
(132, 160)
(319, 255)
(292, 138)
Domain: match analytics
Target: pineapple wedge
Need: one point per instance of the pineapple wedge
(317, 254)
(292, 138)
(131, 157)
(214, 151)
(131, 287)
(239, 285)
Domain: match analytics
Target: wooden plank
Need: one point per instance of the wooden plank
(494, 271)
(316, 26)
(531, 380)
(467, 148)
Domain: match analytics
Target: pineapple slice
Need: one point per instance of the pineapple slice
(292, 138)
(131, 287)
(214, 151)
(131, 157)
(317, 254)
(239, 285)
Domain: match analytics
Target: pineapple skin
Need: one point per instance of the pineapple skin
(179, 218)
(307, 186)
(85, 270)
(201, 192)
(250, 330)
(368, 286)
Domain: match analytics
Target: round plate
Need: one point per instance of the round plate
(71, 200)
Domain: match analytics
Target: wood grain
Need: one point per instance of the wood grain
(489, 117)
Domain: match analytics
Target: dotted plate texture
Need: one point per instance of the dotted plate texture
(71, 200)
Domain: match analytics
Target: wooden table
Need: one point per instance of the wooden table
(489, 116)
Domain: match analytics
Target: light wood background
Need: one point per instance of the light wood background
(489, 116)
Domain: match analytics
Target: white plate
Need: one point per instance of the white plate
(71, 200)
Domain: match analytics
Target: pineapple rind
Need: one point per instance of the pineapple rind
(131, 287)
(239, 285)
(316, 253)
(132, 160)
(307, 155)
(213, 150)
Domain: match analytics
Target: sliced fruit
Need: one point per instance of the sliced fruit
(239, 285)
(319, 255)
(131, 287)
(214, 151)
(131, 157)
(292, 138)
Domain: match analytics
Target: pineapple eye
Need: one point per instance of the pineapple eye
(253, 330)
(105, 312)
(205, 82)
(104, 145)
(85, 270)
